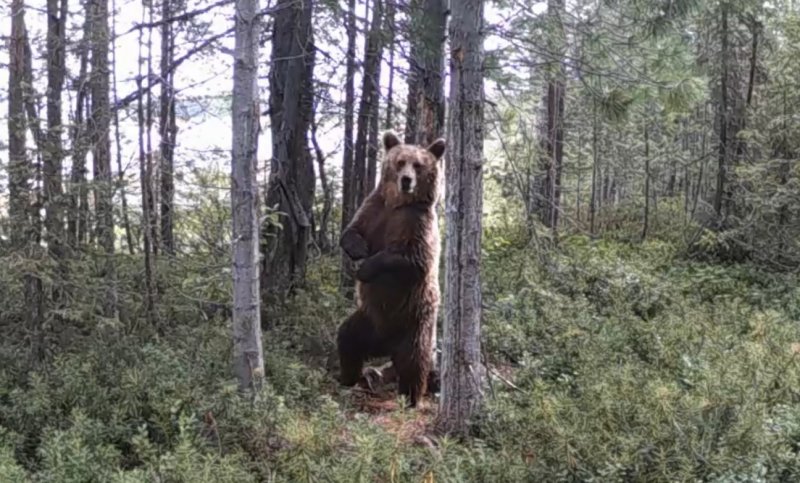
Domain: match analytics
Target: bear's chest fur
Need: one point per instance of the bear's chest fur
(391, 301)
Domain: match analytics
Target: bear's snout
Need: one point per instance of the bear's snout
(406, 184)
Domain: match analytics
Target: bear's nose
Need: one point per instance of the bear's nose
(405, 183)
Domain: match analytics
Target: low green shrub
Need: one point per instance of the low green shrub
(610, 362)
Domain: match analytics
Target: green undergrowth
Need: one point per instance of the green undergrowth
(619, 362)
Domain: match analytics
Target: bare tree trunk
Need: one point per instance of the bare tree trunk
(144, 180)
(168, 129)
(22, 210)
(19, 169)
(389, 26)
(593, 200)
(248, 354)
(553, 138)
(785, 170)
(463, 374)
(126, 223)
(699, 183)
(78, 212)
(368, 107)
(579, 180)
(722, 163)
(374, 114)
(53, 155)
(646, 180)
(291, 185)
(349, 186)
(323, 240)
(426, 102)
(741, 143)
(32, 109)
(99, 127)
(150, 215)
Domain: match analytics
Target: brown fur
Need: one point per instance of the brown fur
(395, 237)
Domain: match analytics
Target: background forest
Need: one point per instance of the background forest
(639, 255)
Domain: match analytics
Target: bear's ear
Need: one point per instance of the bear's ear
(390, 140)
(437, 148)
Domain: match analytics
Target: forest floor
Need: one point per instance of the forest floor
(611, 361)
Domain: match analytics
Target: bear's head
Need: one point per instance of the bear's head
(410, 173)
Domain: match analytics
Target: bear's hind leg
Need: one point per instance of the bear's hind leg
(355, 339)
(413, 364)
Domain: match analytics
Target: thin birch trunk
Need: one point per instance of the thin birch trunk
(248, 354)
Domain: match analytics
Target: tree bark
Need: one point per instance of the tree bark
(553, 139)
(463, 374)
(248, 354)
(426, 102)
(23, 211)
(595, 161)
(291, 185)
(699, 183)
(99, 127)
(349, 185)
(646, 223)
(364, 173)
(19, 169)
(150, 215)
(377, 36)
(78, 211)
(390, 27)
(168, 130)
(146, 186)
(126, 223)
(579, 180)
(54, 153)
(323, 240)
(722, 156)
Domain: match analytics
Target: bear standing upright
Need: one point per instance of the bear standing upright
(394, 237)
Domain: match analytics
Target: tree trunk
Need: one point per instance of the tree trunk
(700, 181)
(786, 156)
(722, 163)
(99, 127)
(291, 185)
(19, 169)
(593, 199)
(32, 109)
(579, 181)
(147, 208)
(646, 223)
(374, 115)
(390, 27)
(323, 240)
(126, 223)
(22, 209)
(364, 173)
(426, 101)
(168, 130)
(248, 354)
(741, 144)
(463, 375)
(78, 212)
(150, 215)
(54, 153)
(553, 138)
(349, 185)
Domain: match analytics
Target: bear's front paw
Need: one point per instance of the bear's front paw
(354, 245)
(362, 271)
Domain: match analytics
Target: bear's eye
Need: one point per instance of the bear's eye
(401, 163)
(417, 165)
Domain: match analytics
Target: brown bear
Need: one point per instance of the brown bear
(394, 239)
